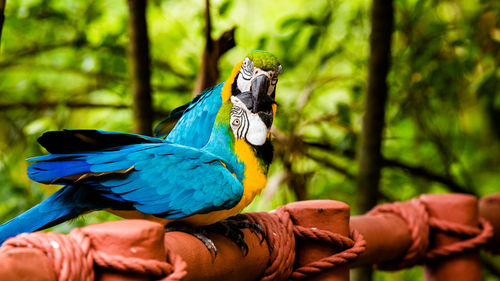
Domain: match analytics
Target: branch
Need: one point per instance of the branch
(139, 68)
(166, 66)
(208, 73)
(2, 17)
(422, 172)
(331, 165)
(70, 104)
(28, 51)
(417, 171)
(101, 77)
(324, 146)
(208, 27)
(45, 104)
(370, 156)
(13, 59)
(225, 42)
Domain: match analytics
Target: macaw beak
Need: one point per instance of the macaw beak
(261, 100)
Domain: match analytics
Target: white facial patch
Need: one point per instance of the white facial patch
(243, 84)
(244, 79)
(246, 124)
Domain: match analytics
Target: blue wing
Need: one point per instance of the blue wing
(168, 180)
(193, 121)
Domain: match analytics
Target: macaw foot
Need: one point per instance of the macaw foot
(231, 228)
(198, 232)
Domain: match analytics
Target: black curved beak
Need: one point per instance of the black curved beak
(261, 100)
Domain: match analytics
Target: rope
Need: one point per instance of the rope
(278, 228)
(74, 256)
(480, 237)
(281, 235)
(353, 248)
(416, 215)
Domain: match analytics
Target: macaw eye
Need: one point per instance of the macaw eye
(236, 122)
(246, 69)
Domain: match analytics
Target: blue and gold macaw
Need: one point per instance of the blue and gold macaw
(210, 165)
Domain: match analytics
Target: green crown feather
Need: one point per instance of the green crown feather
(263, 60)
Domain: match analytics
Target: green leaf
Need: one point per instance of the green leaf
(291, 22)
(313, 40)
(225, 7)
(344, 114)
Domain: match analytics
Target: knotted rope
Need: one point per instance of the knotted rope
(281, 235)
(478, 236)
(416, 215)
(74, 256)
(353, 246)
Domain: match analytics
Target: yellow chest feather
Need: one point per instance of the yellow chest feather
(254, 181)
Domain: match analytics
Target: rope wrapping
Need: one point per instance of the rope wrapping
(478, 236)
(420, 224)
(281, 235)
(73, 257)
(414, 213)
(353, 247)
(278, 228)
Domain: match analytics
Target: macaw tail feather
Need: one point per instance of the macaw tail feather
(61, 206)
(73, 141)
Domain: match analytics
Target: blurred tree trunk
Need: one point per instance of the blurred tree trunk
(2, 16)
(139, 68)
(209, 68)
(370, 158)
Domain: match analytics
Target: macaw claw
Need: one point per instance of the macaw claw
(198, 232)
(231, 228)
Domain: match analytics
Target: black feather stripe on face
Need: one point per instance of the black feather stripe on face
(265, 153)
(239, 114)
(234, 87)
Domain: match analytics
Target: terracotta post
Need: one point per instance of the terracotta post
(26, 264)
(129, 238)
(387, 238)
(489, 208)
(458, 208)
(322, 214)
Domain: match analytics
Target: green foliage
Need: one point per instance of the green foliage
(442, 115)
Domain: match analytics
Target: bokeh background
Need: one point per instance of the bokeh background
(66, 64)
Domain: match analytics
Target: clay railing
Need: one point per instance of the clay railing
(309, 240)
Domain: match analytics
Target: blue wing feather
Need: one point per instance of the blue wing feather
(195, 125)
(170, 180)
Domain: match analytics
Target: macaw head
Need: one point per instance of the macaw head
(253, 96)
(256, 79)
(252, 127)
